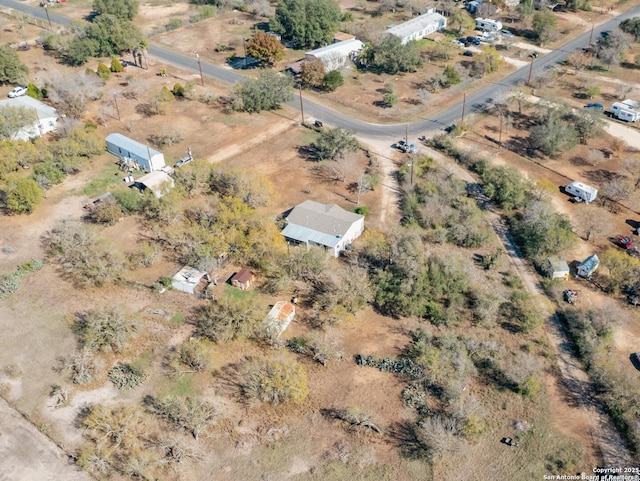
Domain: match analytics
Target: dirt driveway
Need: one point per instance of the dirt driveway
(28, 455)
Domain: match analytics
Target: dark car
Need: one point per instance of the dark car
(464, 41)
(467, 53)
(473, 40)
(594, 106)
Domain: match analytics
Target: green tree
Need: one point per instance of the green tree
(452, 76)
(34, 92)
(334, 143)
(587, 123)
(542, 232)
(22, 194)
(506, 186)
(12, 70)
(545, 25)
(123, 9)
(632, 27)
(266, 92)
(390, 56)
(312, 73)
(554, 135)
(12, 119)
(306, 24)
(112, 35)
(266, 47)
(332, 80)
(611, 49)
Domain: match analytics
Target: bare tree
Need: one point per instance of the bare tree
(592, 222)
(71, 92)
(632, 166)
(615, 191)
(595, 156)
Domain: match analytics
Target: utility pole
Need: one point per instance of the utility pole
(301, 106)
(593, 25)
(115, 100)
(406, 136)
(500, 135)
(200, 68)
(530, 71)
(46, 10)
(464, 104)
(244, 45)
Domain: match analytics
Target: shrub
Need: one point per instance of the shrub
(332, 80)
(130, 200)
(105, 329)
(103, 71)
(178, 90)
(9, 283)
(362, 210)
(190, 414)
(125, 377)
(173, 24)
(116, 65)
(34, 92)
(166, 95)
(274, 381)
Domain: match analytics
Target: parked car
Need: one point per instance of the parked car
(467, 53)
(473, 40)
(407, 147)
(18, 92)
(595, 106)
(534, 54)
(506, 33)
(464, 42)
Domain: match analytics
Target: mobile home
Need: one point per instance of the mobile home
(581, 191)
(136, 154)
(625, 111)
(488, 24)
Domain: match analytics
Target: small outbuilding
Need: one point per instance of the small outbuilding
(134, 153)
(243, 279)
(279, 318)
(587, 267)
(557, 269)
(158, 182)
(187, 279)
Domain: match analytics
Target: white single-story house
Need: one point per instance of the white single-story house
(326, 225)
(279, 318)
(187, 279)
(419, 27)
(158, 182)
(46, 117)
(336, 55)
(134, 153)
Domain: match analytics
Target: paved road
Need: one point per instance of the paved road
(475, 101)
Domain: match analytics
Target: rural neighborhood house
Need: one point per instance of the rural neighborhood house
(336, 55)
(46, 117)
(326, 225)
(419, 27)
(243, 279)
(134, 154)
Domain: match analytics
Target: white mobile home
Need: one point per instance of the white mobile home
(582, 191)
(625, 111)
(488, 24)
(419, 27)
(135, 153)
(336, 55)
(45, 121)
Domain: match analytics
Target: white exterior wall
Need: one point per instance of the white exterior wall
(38, 129)
(488, 24)
(623, 112)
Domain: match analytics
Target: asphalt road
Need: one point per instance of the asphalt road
(475, 101)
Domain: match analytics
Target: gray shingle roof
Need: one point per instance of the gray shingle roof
(328, 219)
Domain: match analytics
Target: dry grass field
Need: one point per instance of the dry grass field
(303, 442)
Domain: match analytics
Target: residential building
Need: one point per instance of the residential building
(336, 55)
(419, 27)
(158, 182)
(326, 225)
(135, 154)
(187, 279)
(46, 117)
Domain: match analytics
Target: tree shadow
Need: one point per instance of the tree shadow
(602, 175)
(145, 109)
(578, 161)
(405, 437)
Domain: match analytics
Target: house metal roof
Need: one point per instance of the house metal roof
(189, 275)
(417, 24)
(243, 276)
(558, 265)
(131, 145)
(43, 110)
(338, 49)
(304, 234)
